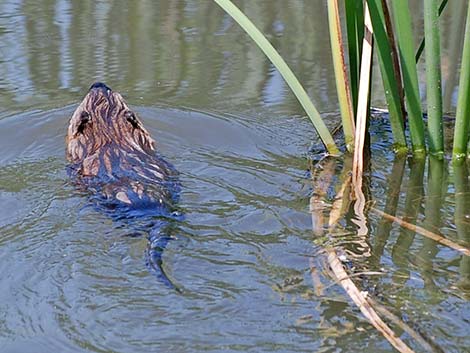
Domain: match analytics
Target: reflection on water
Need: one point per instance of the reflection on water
(425, 281)
(74, 275)
(74, 282)
(173, 51)
(167, 51)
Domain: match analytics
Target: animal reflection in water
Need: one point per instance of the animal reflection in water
(113, 156)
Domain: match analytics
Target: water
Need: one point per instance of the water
(73, 281)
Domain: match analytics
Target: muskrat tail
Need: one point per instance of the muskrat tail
(159, 236)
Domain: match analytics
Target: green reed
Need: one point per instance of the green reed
(462, 120)
(399, 72)
(406, 41)
(392, 89)
(423, 41)
(433, 77)
(355, 32)
(284, 70)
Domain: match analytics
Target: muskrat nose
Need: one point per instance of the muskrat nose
(100, 85)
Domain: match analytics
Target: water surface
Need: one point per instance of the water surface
(73, 281)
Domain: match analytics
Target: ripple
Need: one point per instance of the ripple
(76, 281)
(74, 271)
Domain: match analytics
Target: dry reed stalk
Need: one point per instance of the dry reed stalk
(425, 342)
(341, 73)
(424, 232)
(321, 182)
(361, 123)
(360, 300)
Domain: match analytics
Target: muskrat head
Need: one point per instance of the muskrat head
(103, 127)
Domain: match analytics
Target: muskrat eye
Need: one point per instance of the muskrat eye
(85, 118)
(130, 117)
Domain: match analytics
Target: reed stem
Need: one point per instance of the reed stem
(423, 42)
(433, 77)
(355, 32)
(341, 77)
(403, 26)
(388, 74)
(362, 107)
(462, 119)
(284, 70)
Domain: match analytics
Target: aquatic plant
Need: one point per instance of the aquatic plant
(433, 77)
(284, 70)
(341, 77)
(394, 43)
(369, 22)
(410, 76)
(463, 104)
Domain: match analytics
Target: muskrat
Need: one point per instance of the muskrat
(114, 157)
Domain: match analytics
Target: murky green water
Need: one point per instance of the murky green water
(72, 281)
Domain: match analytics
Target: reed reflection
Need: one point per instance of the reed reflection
(410, 229)
(413, 200)
(423, 244)
(462, 223)
(394, 181)
(436, 190)
(172, 51)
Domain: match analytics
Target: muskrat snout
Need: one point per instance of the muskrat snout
(100, 85)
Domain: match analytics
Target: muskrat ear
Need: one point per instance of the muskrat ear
(85, 118)
(130, 117)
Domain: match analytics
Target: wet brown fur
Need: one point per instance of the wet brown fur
(106, 140)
